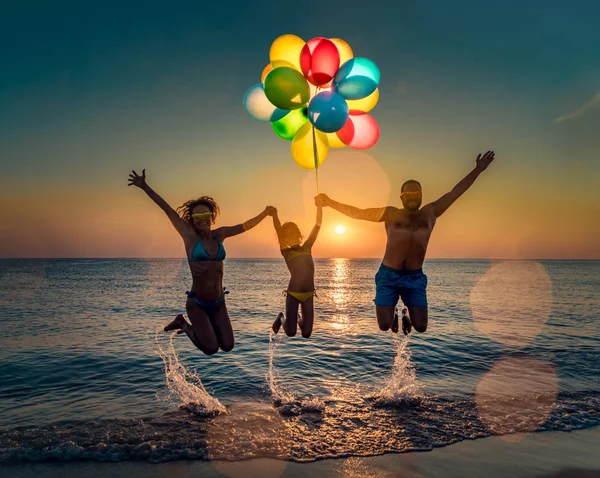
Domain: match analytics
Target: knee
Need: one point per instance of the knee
(306, 334)
(420, 327)
(210, 350)
(227, 346)
(290, 333)
(384, 326)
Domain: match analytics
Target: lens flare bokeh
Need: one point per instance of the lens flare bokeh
(516, 395)
(512, 301)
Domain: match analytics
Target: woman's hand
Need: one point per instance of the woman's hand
(137, 180)
(271, 211)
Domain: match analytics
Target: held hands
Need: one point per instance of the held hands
(322, 200)
(136, 180)
(271, 211)
(484, 162)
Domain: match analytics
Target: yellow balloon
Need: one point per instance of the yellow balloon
(334, 141)
(346, 52)
(303, 146)
(364, 104)
(285, 51)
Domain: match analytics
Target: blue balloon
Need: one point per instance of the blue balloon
(259, 107)
(328, 111)
(356, 79)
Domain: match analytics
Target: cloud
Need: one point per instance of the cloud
(579, 111)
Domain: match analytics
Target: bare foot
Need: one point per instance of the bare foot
(406, 325)
(178, 323)
(277, 324)
(395, 322)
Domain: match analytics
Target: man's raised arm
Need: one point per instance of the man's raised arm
(374, 214)
(443, 203)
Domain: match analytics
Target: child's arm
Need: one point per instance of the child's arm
(315, 232)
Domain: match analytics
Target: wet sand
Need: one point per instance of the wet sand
(546, 454)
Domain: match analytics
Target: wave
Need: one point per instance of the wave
(257, 429)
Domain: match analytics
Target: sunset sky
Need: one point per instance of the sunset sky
(91, 90)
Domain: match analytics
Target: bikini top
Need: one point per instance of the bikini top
(199, 253)
(293, 253)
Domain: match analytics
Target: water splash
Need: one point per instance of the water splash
(401, 387)
(283, 400)
(184, 385)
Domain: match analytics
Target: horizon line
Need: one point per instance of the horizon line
(328, 258)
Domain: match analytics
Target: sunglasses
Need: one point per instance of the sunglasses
(202, 215)
(412, 194)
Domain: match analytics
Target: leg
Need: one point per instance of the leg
(385, 316)
(386, 298)
(308, 317)
(406, 324)
(278, 321)
(201, 331)
(222, 327)
(414, 295)
(290, 321)
(418, 318)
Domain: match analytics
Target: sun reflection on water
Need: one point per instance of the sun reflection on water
(340, 295)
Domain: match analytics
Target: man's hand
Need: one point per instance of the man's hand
(322, 200)
(136, 180)
(271, 211)
(484, 162)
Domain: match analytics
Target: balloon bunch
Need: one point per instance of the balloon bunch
(317, 94)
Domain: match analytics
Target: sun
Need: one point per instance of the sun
(339, 229)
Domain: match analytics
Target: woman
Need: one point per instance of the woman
(301, 289)
(210, 327)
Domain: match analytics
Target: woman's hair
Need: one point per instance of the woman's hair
(290, 232)
(185, 210)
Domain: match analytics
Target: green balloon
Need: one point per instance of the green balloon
(288, 126)
(287, 88)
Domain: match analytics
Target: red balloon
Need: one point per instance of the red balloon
(361, 131)
(319, 60)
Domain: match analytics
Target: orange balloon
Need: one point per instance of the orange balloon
(346, 52)
(265, 72)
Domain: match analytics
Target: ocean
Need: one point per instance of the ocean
(512, 348)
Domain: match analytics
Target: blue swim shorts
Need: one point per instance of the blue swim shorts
(409, 285)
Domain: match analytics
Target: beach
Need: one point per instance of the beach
(551, 454)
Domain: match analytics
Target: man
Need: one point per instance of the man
(408, 232)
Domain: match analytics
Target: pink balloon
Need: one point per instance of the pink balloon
(361, 131)
(320, 61)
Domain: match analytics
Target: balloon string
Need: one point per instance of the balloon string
(315, 150)
(316, 157)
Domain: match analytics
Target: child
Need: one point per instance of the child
(301, 289)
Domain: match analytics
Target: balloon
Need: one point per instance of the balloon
(258, 106)
(357, 78)
(328, 111)
(319, 60)
(266, 70)
(334, 141)
(346, 52)
(303, 147)
(365, 104)
(288, 126)
(361, 131)
(285, 51)
(286, 88)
